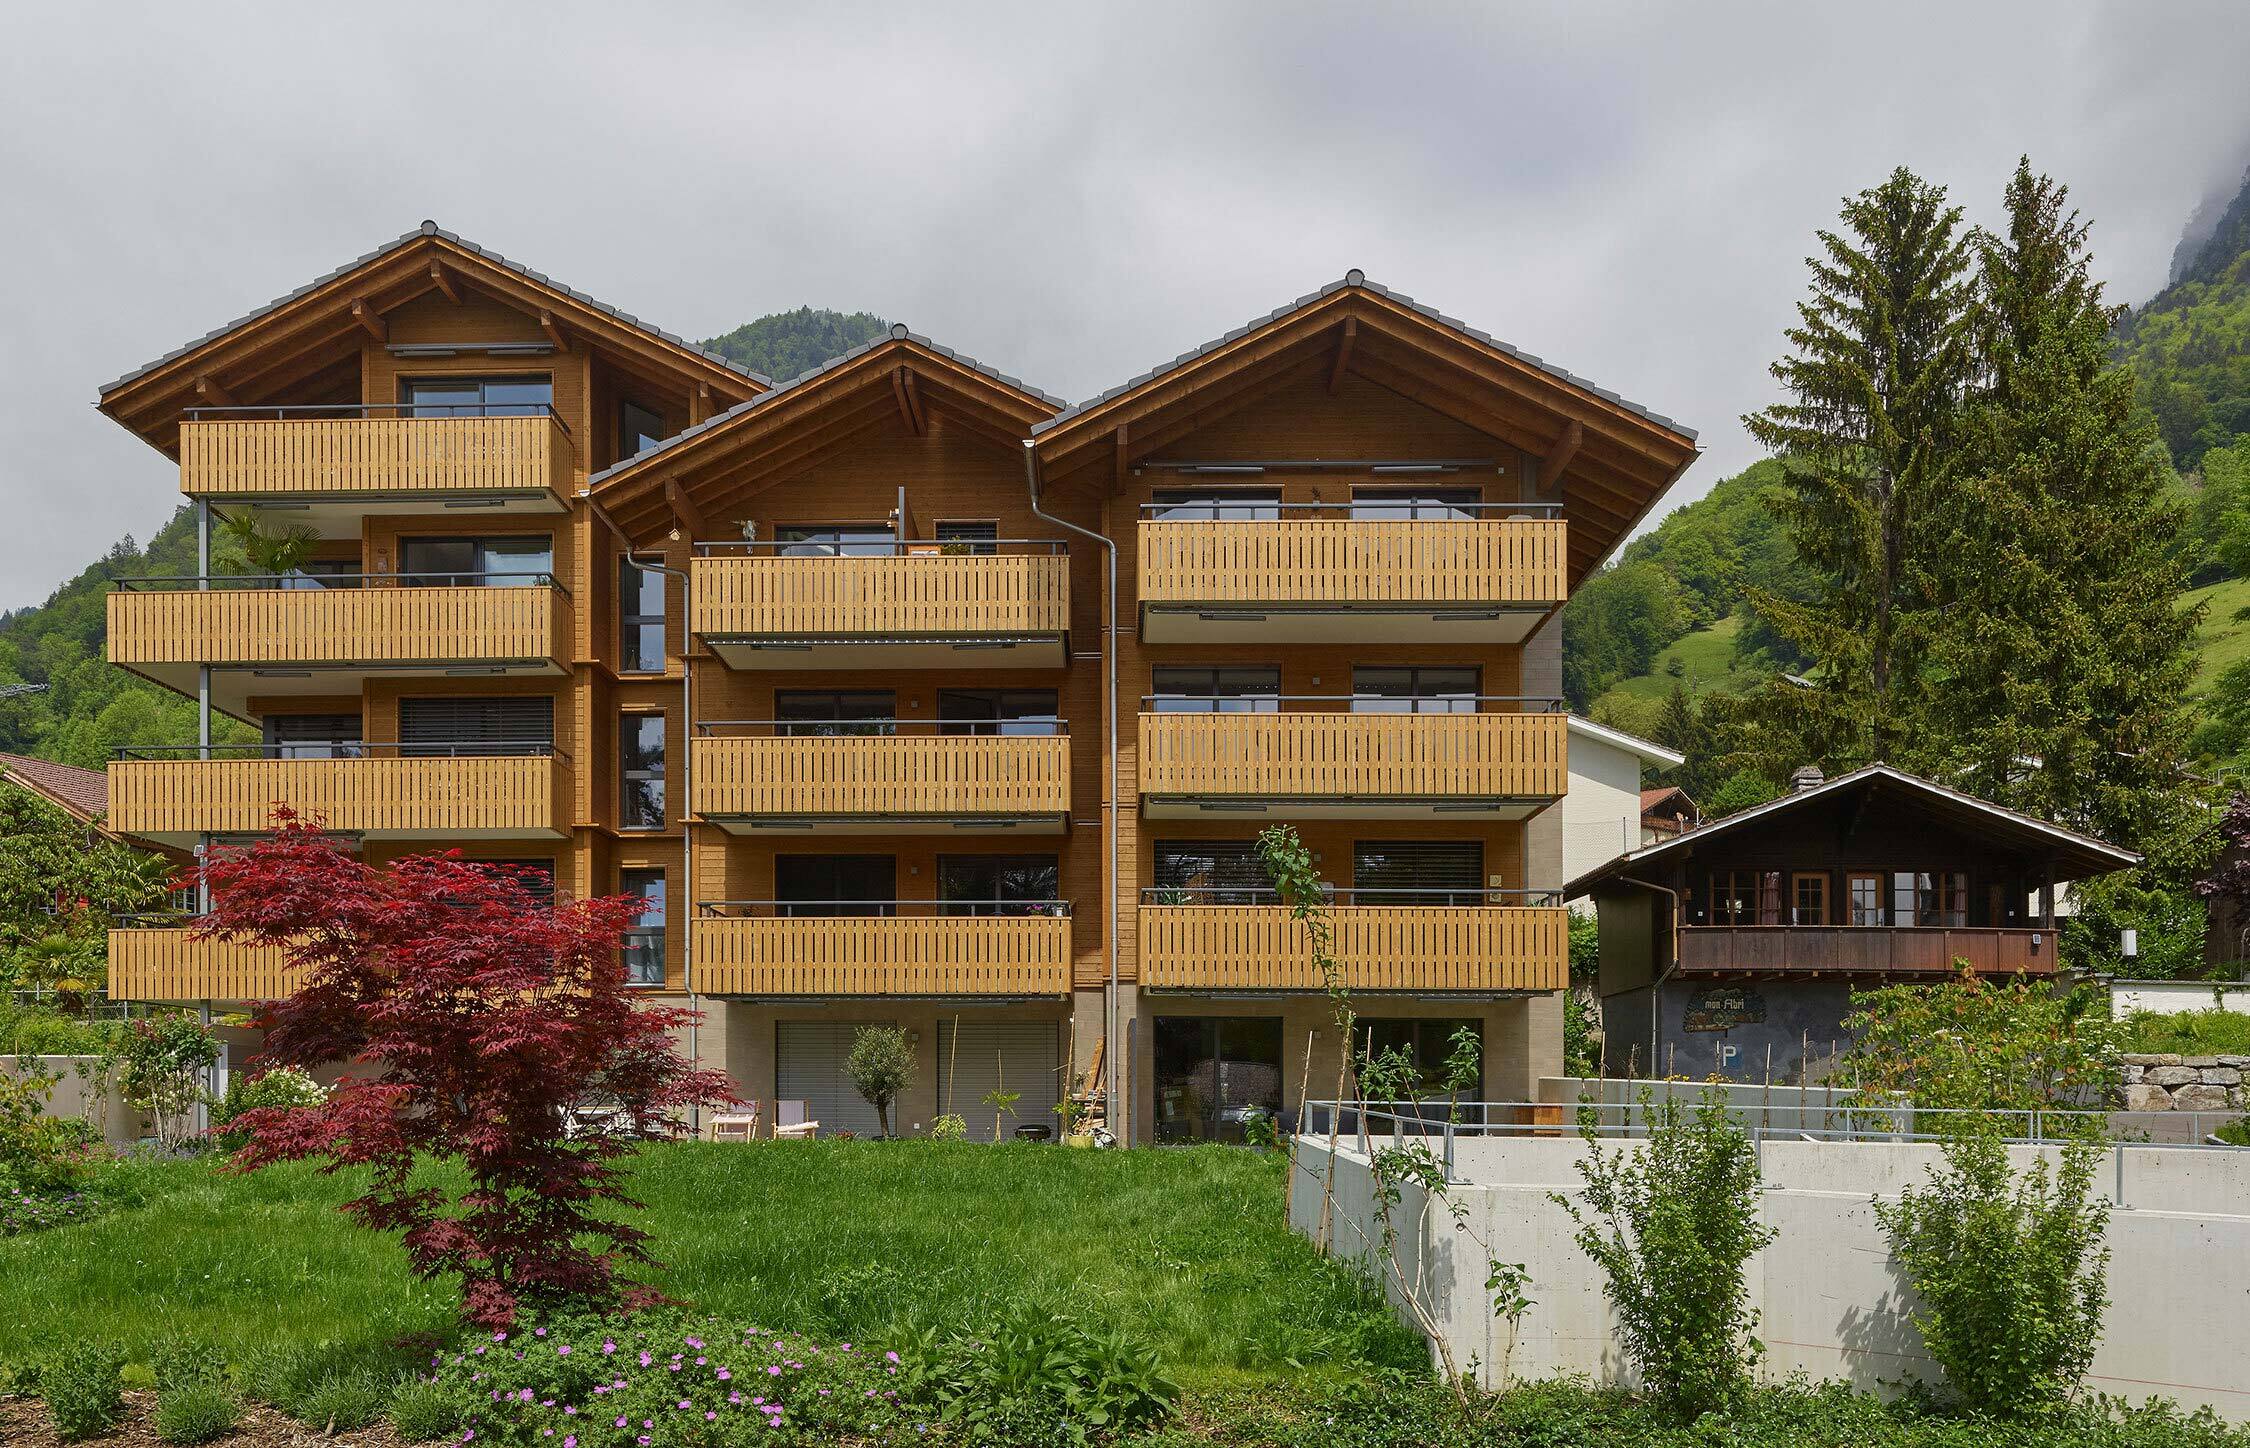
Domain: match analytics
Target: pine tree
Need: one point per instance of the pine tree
(2058, 664)
(1881, 361)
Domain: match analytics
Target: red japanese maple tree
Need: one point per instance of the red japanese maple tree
(484, 1025)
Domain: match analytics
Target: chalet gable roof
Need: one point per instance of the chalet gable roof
(2076, 856)
(81, 793)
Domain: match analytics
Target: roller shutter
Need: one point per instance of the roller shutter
(1026, 1055)
(808, 1065)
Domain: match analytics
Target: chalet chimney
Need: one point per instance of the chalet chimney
(1809, 777)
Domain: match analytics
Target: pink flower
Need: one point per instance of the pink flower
(562, 1349)
(773, 1372)
(539, 1332)
(571, 1441)
(621, 1422)
(608, 1348)
(723, 1375)
(499, 1337)
(890, 1357)
(708, 1415)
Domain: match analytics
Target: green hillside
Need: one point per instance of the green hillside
(785, 344)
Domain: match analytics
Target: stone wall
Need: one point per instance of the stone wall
(2166, 1082)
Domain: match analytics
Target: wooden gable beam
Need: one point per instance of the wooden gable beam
(554, 330)
(909, 406)
(1560, 456)
(370, 321)
(209, 393)
(683, 508)
(699, 407)
(443, 281)
(1124, 461)
(1343, 354)
(1150, 438)
(785, 458)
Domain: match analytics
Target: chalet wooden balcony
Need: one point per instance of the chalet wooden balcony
(269, 640)
(893, 948)
(1385, 941)
(910, 606)
(1484, 574)
(486, 790)
(1499, 763)
(167, 963)
(902, 776)
(325, 467)
(1865, 950)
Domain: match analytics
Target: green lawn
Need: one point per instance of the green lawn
(2223, 639)
(859, 1240)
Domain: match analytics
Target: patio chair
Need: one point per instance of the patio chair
(738, 1125)
(792, 1121)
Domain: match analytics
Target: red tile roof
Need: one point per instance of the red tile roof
(82, 791)
(1651, 798)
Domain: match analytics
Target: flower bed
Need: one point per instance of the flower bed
(22, 1211)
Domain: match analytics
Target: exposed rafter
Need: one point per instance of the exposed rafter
(1343, 360)
(443, 281)
(1560, 456)
(554, 330)
(683, 508)
(370, 321)
(211, 394)
(909, 406)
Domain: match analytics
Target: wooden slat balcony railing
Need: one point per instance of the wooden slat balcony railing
(496, 796)
(1379, 947)
(753, 592)
(1866, 950)
(1329, 562)
(388, 626)
(1344, 756)
(760, 954)
(149, 963)
(314, 454)
(899, 775)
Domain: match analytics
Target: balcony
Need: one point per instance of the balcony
(1864, 950)
(1485, 574)
(265, 640)
(1501, 763)
(492, 789)
(327, 467)
(907, 606)
(1386, 941)
(892, 948)
(162, 960)
(897, 777)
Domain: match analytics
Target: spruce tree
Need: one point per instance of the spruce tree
(1879, 366)
(2057, 667)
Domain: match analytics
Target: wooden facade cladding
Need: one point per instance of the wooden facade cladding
(1869, 950)
(1354, 756)
(883, 776)
(1339, 563)
(909, 596)
(493, 796)
(359, 456)
(1415, 948)
(338, 626)
(148, 964)
(883, 956)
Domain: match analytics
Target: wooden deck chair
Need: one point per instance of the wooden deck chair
(739, 1125)
(792, 1121)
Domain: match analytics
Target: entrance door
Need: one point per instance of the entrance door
(1023, 1056)
(808, 1065)
(1212, 1071)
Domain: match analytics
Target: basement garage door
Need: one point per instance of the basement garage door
(1021, 1055)
(808, 1065)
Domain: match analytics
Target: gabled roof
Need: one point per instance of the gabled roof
(2076, 856)
(763, 435)
(83, 793)
(1648, 751)
(380, 274)
(1606, 458)
(1663, 794)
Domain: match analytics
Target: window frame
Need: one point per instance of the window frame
(630, 818)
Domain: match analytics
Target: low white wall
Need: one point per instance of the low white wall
(82, 1090)
(2171, 997)
(1831, 1301)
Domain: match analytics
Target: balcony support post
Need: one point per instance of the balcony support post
(210, 1079)
(203, 543)
(687, 805)
(203, 711)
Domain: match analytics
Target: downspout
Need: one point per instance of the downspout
(687, 809)
(1656, 988)
(1113, 1048)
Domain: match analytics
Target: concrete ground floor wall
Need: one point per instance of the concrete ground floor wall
(1737, 1030)
(1832, 1301)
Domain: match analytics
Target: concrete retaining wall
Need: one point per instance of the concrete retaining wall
(1830, 1298)
(2171, 997)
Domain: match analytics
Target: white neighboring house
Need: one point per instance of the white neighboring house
(1601, 815)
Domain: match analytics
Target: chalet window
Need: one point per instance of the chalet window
(998, 884)
(836, 540)
(1867, 899)
(468, 724)
(490, 562)
(1746, 897)
(1808, 903)
(640, 778)
(968, 537)
(1210, 872)
(834, 884)
(1923, 897)
(999, 711)
(640, 619)
(644, 942)
(1419, 690)
(1252, 690)
(314, 736)
(638, 430)
(833, 713)
(1418, 872)
(523, 395)
(1425, 504)
(1225, 505)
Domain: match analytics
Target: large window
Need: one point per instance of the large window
(828, 713)
(1808, 899)
(1419, 872)
(476, 724)
(834, 884)
(1210, 872)
(968, 536)
(1922, 897)
(1867, 898)
(638, 429)
(490, 562)
(644, 942)
(1225, 505)
(537, 876)
(640, 618)
(314, 736)
(1425, 1043)
(998, 884)
(1418, 690)
(1381, 504)
(640, 775)
(999, 711)
(1214, 1072)
(1745, 897)
(831, 540)
(1255, 689)
(523, 395)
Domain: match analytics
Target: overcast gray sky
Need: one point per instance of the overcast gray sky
(1070, 193)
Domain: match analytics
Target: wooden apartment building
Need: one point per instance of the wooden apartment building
(829, 671)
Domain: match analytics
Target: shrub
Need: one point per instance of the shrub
(38, 1152)
(1983, 1045)
(22, 1211)
(196, 1413)
(187, 1364)
(880, 1065)
(85, 1390)
(284, 1377)
(282, 1088)
(2009, 1272)
(1672, 1227)
(165, 1059)
(1042, 1378)
(424, 1409)
(950, 1127)
(343, 1401)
